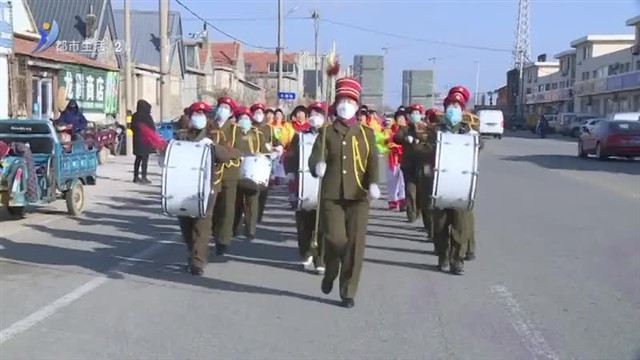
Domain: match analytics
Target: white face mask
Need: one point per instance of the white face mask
(258, 116)
(346, 110)
(316, 120)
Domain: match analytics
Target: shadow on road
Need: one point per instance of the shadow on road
(568, 162)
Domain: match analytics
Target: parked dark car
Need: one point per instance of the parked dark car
(610, 138)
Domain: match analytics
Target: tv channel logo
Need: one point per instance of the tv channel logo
(49, 33)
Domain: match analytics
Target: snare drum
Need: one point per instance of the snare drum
(254, 172)
(307, 184)
(186, 179)
(456, 171)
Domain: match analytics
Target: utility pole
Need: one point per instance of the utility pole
(316, 26)
(521, 84)
(475, 101)
(279, 48)
(128, 86)
(164, 60)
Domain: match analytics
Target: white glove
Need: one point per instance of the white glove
(321, 168)
(291, 176)
(427, 169)
(279, 149)
(374, 192)
(409, 139)
(206, 141)
(269, 147)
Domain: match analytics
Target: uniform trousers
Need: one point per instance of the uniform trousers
(450, 234)
(413, 193)
(305, 226)
(196, 233)
(395, 185)
(246, 207)
(345, 227)
(224, 212)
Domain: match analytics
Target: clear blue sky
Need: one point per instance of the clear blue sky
(485, 23)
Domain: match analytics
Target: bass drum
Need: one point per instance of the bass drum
(186, 179)
(456, 171)
(307, 184)
(255, 171)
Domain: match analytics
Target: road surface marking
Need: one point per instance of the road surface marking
(46, 311)
(531, 337)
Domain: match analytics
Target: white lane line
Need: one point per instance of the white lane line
(46, 311)
(531, 337)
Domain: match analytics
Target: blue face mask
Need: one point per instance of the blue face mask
(222, 114)
(415, 118)
(198, 121)
(453, 116)
(244, 123)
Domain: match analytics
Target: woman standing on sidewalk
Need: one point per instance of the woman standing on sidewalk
(142, 117)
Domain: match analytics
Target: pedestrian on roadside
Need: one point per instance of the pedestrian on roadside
(142, 150)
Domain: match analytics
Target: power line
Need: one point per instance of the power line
(222, 31)
(438, 42)
(247, 19)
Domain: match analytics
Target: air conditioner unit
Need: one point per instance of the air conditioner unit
(635, 50)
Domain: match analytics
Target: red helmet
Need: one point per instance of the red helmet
(200, 106)
(242, 110)
(455, 97)
(320, 106)
(430, 113)
(415, 107)
(258, 106)
(462, 90)
(229, 101)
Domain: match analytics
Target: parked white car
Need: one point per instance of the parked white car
(625, 116)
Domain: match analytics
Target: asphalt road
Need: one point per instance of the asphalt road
(556, 277)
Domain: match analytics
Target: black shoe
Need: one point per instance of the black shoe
(457, 270)
(470, 256)
(221, 249)
(137, 180)
(196, 270)
(327, 286)
(236, 233)
(444, 267)
(145, 181)
(348, 303)
(250, 237)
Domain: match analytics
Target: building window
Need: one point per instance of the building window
(540, 88)
(627, 67)
(287, 68)
(585, 75)
(247, 67)
(637, 65)
(547, 87)
(554, 86)
(528, 91)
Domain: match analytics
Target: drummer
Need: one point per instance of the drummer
(227, 174)
(250, 142)
(298, 123)
(196, 232)
(451, 232)
(272, 144)
(431, 118)
(305, 218)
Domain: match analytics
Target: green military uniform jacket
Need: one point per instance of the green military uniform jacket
(412, 153)
(352, 161)
(228, 135)
(251, 143)
(221, 153)
(269, 133)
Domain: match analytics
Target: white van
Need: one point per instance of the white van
(491, 123)
(625, 116)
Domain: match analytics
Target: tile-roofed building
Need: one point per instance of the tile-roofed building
(71, 16)
(262, 62)
(145, 54)
(261, 68)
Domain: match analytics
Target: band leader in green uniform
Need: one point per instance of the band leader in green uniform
(412, 138)
(259, 111)
(451, 230)
(197, 232)
(250, 142)
(228, 174)
(306, 218)
(349, 171)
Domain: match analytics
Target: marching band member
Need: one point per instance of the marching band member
(196, 232)
(451, 232)
(271, 142)
(412, 138)
(344, 155)
(431, 118)
(250, 142)
(395, 179)
(305, 219)
(228, 174)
